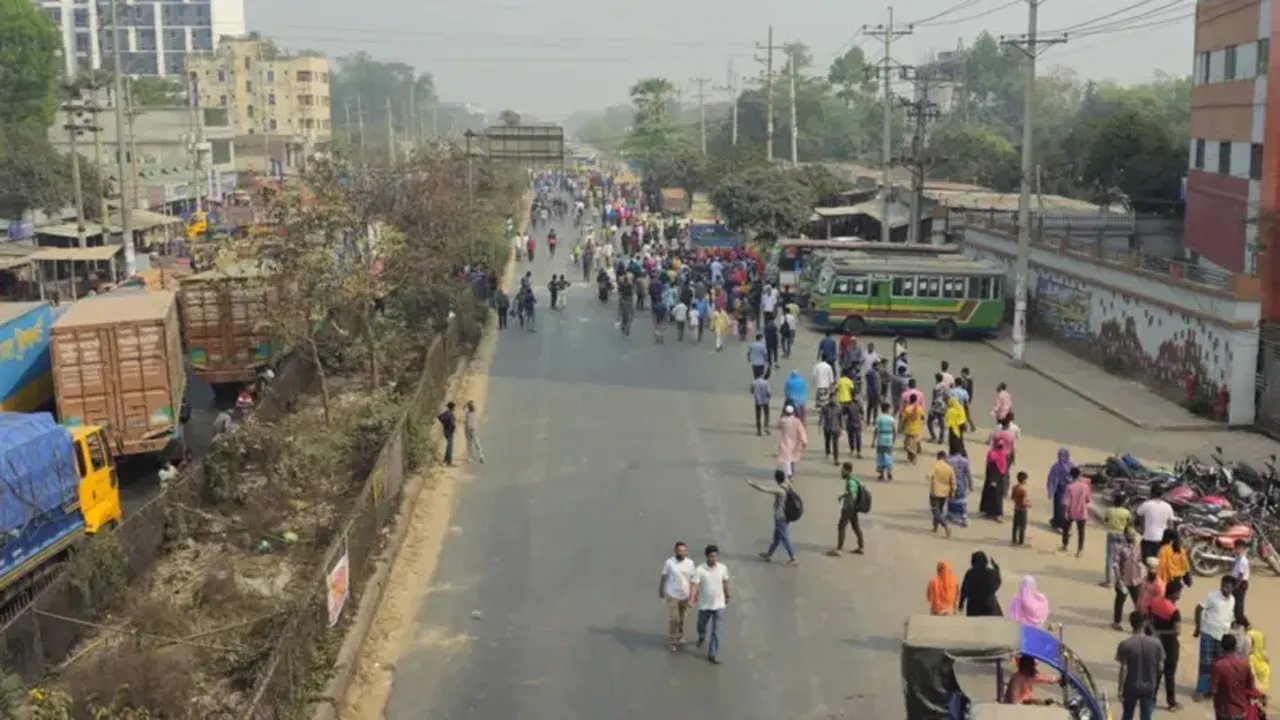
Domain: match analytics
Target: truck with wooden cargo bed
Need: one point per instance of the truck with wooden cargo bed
(224, 311)
(57, 485)
(117, 363)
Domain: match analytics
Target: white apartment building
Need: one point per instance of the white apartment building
(155, 37)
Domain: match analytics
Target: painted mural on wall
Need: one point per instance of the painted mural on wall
(1127, 335)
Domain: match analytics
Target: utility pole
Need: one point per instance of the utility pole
(76, 125)
(413, 116)
(391, 136)
(768, 90)
(732, 89)
(887, 34)
(126, 212)
(471, 198)
(702, 107)
(795, 133)
(104, 208)
(131, 114)
(360, 125)
(921, 110)
(346, 127)
(1031, 45)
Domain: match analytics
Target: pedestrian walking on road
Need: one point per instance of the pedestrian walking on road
(675, 587)
(942, 485)
(1166, 623)
(978, 590)
(1126, 559)
(1004, 403)
(780, 491)
(1021, 498)
(1231, 683)
(937, 409)
(943, 590)
(1172, 561)
(1059, 478)
(720, 327)
(912, 419)
(680, 313)
(1240, 571)
(830, 421)
(1029, 606)
(852, 501)
(771, 343)
(792, 440)
(1154, 517)
(994, 480)
(1118, 521)
(503, 305)
(883, 432)
(958, 503)
(475, 453)
(448, 426)
(953, 421)
(710, 596)
(1214, 616)
(761, 394)
(1077, 498)
(1141, 658)
(965, 383)
(758, 356)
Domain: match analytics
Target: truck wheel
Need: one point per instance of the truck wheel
(854, 325)
(945, 330)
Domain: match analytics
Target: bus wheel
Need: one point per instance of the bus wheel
(945, 330)
(854, 325)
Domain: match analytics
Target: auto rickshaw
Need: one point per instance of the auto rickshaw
(932, 646)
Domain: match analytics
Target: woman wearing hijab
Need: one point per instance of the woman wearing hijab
(1059, 479)
(792, 440)
(994, 482)
(1258, 660)
(958, 505)
(796, 391)
(979, 587)
(1172, 562)
(1029, 606)
(955, 420)
(943, 591)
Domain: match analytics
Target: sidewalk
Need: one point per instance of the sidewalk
(1123, 398)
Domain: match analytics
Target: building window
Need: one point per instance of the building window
(304, 76)
(1264, 55)
(271, 76)
(1255, 161)
(1199, 161)
(83, 42)
(249, 111)
(306, 99)
(222, 76)
(271, 99)
(1224, 157)
(248, 63)
(55, 14)
(80, 18)
(1229, 62)
(222, 100)
(220, 151)
(272, 123)
(146, 39)
(1204, 68)
(248, 86)
(202, 39)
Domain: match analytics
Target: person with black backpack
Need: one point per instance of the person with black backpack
(787, 508)
(855, 500)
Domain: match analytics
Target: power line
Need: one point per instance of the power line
(471, 36)
(1113, 13)
(962, 5)
(1114, 30)
(954, 21)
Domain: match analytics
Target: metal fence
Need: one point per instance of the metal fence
(45, 631)
(290, 676)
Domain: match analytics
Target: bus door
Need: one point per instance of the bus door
(879, 300)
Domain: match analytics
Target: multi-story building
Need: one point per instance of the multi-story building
(155, 37)
(1230, 99)
(278, 103)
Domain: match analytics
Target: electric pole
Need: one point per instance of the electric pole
(887, 34)
(360, 125)
(732, 89)
(702, 107)
(77, 123)
(414, 127)
(471, 199)
(921, 110)
(126, 211)
(1031, 45)
(795, 133)
(391, 136)
(768, 90)
(346, 127)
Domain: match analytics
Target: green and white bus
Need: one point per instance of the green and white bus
(796, 263)
(947, 296)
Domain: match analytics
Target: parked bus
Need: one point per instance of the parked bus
(791, 262)
(948, 296)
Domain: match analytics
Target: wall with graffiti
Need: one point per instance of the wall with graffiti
(1129, 332)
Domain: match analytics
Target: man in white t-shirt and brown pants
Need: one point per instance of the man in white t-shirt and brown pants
(1155, 516)
(710, 596)
(675, 587)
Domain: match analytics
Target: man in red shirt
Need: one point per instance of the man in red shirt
(1231, 683)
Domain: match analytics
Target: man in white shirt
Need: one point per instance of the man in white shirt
(1214, 616)
(769, 302)
(710, 596)
(824, 377)
(1154, 515)
(680, 313)
(674, 587)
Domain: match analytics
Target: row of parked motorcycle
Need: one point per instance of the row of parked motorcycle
(1218, 503)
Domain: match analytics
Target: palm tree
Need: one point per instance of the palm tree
(651, 96)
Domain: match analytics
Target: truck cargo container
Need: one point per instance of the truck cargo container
(56, 485)
(117, 363)
(26, 382)
(224, 311)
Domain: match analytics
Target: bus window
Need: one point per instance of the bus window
(953, 288)
(858, 286)
(975, 288)
(904, 287)
(928, 287)
(841, 287)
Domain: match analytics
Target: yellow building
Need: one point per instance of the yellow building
(278, 102)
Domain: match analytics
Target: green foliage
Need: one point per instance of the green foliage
(151, 91)
(977, 154)
(510, 118)
(34, 176)
(764, 201)
(359, 83)
(29, 44)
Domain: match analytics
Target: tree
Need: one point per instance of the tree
(151, 91)
(652, 99)
(1134, 154)
(29, 46)
(360, 81)
(34, 176)
(850, 77)
(764, 201)
(510, 118)
(976, 154)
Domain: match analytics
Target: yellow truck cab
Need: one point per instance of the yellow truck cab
(99, 495)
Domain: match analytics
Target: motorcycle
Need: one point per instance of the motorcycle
(1211, 552)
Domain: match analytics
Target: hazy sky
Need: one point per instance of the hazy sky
(552, 57)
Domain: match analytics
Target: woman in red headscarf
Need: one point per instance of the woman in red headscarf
(994, 482)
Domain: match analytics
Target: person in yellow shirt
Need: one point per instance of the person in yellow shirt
(844, 390)
(942, 483)
(912, 427)
(720, 326)
(1172, 561)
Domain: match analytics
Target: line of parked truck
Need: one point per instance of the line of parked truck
(87, 384)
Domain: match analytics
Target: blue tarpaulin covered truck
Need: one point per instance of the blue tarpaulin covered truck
(56, 484)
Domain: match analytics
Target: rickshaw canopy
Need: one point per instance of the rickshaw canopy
(998, 711)
(977, 637)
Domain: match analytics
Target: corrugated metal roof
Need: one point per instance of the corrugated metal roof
(121, 306)
(89, 254)
(938, 264)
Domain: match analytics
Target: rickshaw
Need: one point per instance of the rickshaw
(933, 645)
(999, 711)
